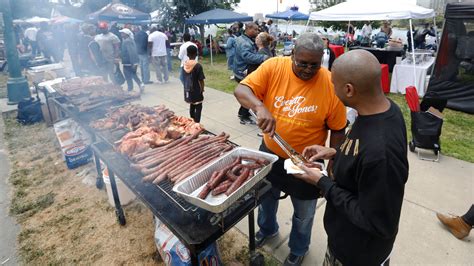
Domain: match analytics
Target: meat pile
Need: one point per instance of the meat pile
(180, 158)
(150, 127)
(231, 177)
(133, 117)
(88, 93)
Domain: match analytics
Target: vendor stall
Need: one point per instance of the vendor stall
(402, 76)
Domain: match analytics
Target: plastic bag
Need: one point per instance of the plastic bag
(174, 253)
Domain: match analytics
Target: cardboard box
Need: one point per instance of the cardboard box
(74, 143)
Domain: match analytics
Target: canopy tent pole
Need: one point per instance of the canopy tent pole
(306, 27)
(413, 52)
(347, 34)
(210, 45)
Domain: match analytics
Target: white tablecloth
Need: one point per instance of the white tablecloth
(402, 77)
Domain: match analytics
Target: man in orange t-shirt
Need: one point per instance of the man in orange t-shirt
(293, 96)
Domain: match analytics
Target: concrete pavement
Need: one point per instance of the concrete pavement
(447, 186)
(8, 227)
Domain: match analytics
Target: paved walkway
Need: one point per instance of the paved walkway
(447, 186)
(8, 227)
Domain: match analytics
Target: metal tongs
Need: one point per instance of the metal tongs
(295, 157)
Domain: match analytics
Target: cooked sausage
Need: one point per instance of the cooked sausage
(223, 187)
(237, 183)
(204, 192)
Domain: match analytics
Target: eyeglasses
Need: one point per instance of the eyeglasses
(304, 65)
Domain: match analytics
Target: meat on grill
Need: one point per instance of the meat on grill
(228, 179)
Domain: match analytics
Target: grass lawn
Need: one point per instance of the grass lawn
(457, 137)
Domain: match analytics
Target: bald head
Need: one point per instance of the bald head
(359, 68)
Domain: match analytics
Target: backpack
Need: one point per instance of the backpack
(29, 111)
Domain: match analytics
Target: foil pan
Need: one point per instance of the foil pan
(190, 187)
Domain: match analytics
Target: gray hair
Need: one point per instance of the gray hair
(310, 41)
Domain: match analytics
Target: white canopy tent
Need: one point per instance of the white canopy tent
(361, 10)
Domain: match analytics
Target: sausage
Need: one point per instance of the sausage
(204, 192)
(223, 187)
(217, 180)
(237, 183)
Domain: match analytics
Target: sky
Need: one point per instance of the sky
(270, 6)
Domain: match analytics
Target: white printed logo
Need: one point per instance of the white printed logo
(294, 105)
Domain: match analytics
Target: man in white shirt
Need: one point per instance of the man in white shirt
(30, 35)
(157, 45)
(183, 54)
(366, 34)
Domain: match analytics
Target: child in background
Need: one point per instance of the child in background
(193, 76)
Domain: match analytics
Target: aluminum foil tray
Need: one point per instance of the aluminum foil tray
(190, 188)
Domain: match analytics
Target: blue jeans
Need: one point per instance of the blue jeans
(168, 56)
(301, 225)
(181, 75)
(144, 61)
(230, 62)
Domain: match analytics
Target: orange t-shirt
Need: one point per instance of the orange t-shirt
(304, 110)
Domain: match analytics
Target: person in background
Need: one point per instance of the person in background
(141, 41)
(168, 49)
(350, 33)
(109, 45)
(263, 42)
(59, 37)
(366, 34)
(71, 33)
(46, 42)
(130, 60)
(328, 56)
(114, 28)
(183, 54)
(365, 195)
(459, 226)
(246, 55)
(387, 29)
(87, 60)
(30, 36)
(157, 46)
(230, 51)
(273, 31)
(381, 38)
(419, 38)
(198, 44)
(294, 97)
(193, 83)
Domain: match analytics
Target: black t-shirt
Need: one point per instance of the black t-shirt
(141, 40)
(364, 202)
(192, 88)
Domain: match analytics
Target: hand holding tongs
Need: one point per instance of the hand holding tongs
(295, 157)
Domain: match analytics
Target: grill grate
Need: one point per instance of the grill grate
(167, 187)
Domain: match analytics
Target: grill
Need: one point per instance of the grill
(195, 227)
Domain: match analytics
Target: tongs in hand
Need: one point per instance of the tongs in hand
(295, 157)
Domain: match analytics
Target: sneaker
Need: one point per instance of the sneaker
(260, 134)
(142, 87)
(149, 82)
(260, 239)
(232, 77)
(293, 260)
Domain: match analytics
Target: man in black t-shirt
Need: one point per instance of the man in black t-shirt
(370, 168)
